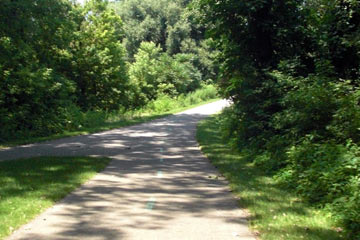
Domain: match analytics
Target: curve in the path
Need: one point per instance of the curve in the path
(157, 186)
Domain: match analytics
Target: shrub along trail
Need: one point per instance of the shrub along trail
(158, 186)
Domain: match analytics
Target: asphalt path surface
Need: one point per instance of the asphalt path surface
(157, 186)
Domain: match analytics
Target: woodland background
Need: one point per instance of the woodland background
(291, 68)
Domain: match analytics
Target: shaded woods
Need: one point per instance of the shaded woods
(292, 69)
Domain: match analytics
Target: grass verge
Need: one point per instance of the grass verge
(29, 186)
(101, 121)
(275, 213)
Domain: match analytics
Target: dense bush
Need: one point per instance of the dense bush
(143, 72)
(292, 71)
(56, 56)
(98, 65)
(179, 74)
(33, 45)
(326, 173)
(156, 73)
(166, 103)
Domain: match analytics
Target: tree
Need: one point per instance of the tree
(292, 70)
(144, 73)
(155, 73)
(166, 23)
(99, 67)
(34, 44)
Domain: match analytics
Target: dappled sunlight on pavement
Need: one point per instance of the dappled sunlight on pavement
(158, 186)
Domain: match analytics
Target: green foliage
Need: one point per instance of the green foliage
(34, 45)
(99, 69)
(176, 35)
(335, 26)
(163, 22)
(326, 173)
(206, 92)
(308, 105)
(292, 71)
(62, 63)
(178, 71)
(55, 57)
(275, 213)
(143, 72)
(154, 73)
(74, 121)
(345, 123)
(165, 103)
(29, 186)
(170, 26)
(146, 21)
(205, 59)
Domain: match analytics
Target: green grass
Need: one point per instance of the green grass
(275, 213)
(99, 121)
(29, 186)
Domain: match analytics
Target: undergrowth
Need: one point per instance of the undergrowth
(78, 122)
(276, 212)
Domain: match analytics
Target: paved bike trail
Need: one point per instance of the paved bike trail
(157, 186)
